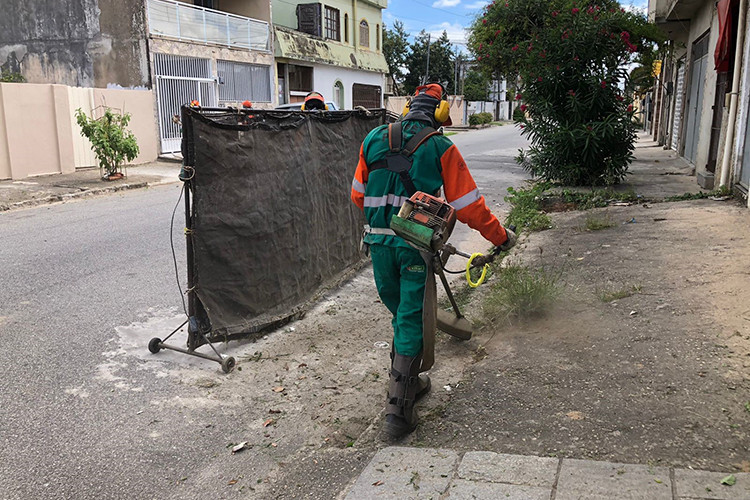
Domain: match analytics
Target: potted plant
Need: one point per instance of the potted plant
(111, 142)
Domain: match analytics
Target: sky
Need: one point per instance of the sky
(452, 16)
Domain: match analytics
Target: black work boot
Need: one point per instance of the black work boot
(405, 387)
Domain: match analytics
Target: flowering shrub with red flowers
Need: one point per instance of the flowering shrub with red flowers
(571, 75)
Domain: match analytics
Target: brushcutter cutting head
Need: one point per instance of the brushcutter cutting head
(456, 326)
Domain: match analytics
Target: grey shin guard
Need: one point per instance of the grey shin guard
(405, 386)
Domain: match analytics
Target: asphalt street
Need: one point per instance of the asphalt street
(85, 412)
(490, 155)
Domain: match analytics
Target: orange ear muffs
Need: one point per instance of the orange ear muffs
(442, 112)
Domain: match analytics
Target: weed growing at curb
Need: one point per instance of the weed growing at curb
(723, 191)
(597, 198)
(520, 292)
(526, 213)
(595, 222)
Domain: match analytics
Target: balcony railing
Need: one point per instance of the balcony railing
(199, 24)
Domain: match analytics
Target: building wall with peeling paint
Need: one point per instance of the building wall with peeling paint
(347, 61)
(82, 43)
(217, 53)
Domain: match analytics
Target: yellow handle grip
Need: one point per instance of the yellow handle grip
(468, 271)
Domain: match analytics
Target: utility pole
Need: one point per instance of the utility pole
(455, 75)
(427, 71)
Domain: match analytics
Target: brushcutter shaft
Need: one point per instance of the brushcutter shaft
(451, 250)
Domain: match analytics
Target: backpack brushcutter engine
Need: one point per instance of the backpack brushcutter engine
(426, 222)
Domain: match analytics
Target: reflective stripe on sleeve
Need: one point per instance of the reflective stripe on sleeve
(381, 201)
(466, 199)
(358, 186)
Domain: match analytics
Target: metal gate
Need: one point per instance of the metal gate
(699, 63)
(679, 89)
(180, 80)
(745, 165)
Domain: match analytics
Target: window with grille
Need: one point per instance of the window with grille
(332, 24)
(239, 82)
(364, 33)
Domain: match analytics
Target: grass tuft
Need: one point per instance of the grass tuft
(520, 292)
(595, 222)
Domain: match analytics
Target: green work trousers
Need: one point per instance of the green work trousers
(401, 276)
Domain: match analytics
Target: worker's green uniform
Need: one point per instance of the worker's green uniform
(401, 272)
(403, 275)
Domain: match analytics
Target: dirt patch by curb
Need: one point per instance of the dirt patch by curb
(659, 376)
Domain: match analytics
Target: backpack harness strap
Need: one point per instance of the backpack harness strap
(399, 158)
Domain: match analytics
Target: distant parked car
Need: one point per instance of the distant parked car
(295, 106)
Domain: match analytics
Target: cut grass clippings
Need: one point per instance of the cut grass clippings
(619, 294)
(521, 292)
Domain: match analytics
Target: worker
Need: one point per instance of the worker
(314, 101)
(403, 275)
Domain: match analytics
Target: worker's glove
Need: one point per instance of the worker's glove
(509, 243)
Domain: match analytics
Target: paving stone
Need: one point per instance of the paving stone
(695, 484)
(511, 469)
(587, 480)
(462, 489)
(406, 474)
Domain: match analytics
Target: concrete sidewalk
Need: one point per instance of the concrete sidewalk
(55, 188)
(424, 473)
(440, 473)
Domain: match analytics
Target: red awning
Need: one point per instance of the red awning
(723, 45)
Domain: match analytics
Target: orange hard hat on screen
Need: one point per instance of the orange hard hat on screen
(315, 100)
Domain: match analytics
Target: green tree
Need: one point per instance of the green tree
(641, 78)
(476, 86)
(395, 50)
(442, 62)
(570, 58)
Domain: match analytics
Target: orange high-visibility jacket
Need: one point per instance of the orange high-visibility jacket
(436, 163)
